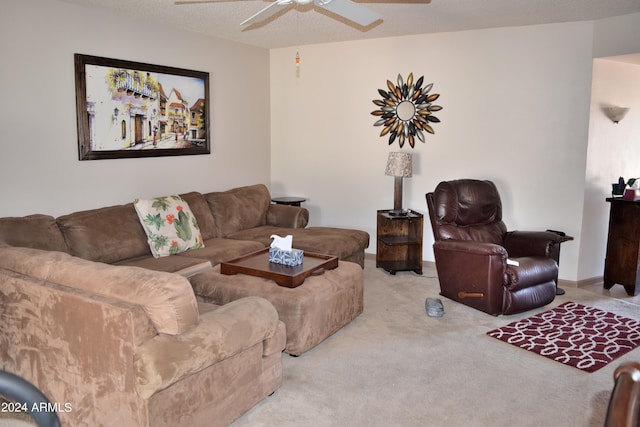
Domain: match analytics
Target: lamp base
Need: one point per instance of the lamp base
(397, 212)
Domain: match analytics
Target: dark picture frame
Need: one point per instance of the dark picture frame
(130, 109)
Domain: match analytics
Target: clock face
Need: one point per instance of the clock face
(406, 110)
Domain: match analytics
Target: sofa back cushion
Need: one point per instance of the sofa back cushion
(108, 235)
(167, 299)
(202, 212)
(32, 231)
(239, 209)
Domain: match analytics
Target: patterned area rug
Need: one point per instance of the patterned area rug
(583, 337)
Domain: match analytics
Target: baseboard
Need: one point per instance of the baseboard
(580, 283)
(592, 281)
(428, 264)
(562, 283)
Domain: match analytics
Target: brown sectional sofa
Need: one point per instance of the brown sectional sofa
(132, 347)
(232, 223)
(92, 318)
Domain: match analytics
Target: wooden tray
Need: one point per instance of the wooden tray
(257, 264)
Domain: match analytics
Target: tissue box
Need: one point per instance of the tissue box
(291, 258)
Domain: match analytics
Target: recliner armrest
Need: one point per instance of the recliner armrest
(468, 258)
(530, 243)
(287, 216)
(470, 246)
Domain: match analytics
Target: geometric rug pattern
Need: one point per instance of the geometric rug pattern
(584, 337)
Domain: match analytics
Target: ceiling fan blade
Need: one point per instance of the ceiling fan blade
(395, 1)
(267, 12)
(353, 12)
(179, 2)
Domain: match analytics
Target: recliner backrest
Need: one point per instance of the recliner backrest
(467, 209)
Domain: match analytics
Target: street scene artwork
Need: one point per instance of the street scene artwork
(128, 109)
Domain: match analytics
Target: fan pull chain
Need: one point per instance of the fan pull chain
(298, 40)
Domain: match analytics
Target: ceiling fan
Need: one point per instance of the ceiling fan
(354, 12)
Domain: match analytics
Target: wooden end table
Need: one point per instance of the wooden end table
(399, 243)
(291, 201)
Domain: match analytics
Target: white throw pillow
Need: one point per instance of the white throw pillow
(170, 225)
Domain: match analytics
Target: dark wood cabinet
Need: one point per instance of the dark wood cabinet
(623, 245)
(399, 241)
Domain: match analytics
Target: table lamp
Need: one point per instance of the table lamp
(399, 165)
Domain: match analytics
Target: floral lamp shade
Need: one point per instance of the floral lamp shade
(399, 164)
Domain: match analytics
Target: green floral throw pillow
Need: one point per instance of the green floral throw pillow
(170, 225)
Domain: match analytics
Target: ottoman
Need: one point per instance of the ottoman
(311, 312)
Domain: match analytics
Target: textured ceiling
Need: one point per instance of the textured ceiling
(302, 25)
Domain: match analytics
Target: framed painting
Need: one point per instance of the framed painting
(129, 109)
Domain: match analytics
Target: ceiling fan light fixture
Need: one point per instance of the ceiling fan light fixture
(303, 2)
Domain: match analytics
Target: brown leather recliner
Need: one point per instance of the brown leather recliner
(472, 247)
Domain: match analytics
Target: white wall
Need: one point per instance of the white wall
(613, 151)
(39, 167)
(516, 111)
(516, 108)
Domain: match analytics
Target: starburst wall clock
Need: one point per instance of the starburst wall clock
(406, 110)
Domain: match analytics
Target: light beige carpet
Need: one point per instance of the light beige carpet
(395, 366)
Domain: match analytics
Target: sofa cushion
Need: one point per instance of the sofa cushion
(32, 231)
(107, 234)
(167, 299)
(174, 264)
(239, 208)
(219, 250)
(170, 225)
(202, 212)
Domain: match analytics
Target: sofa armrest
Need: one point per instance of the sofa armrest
(287, 216)
(221, 333)
(75, 346)
(530, 243)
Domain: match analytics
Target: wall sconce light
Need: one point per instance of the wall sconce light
(399, 165)
(616, 114)
(115, 114)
